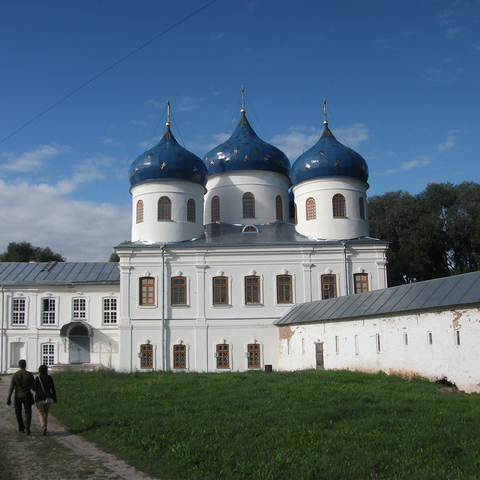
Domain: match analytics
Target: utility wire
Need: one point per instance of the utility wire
(107, 69)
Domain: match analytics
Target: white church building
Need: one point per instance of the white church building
(221, 250)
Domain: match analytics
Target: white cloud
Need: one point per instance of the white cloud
(46, 215)
(295, 142)
(453, 32)
(449, 141)
(353, 136)
(421, 161)
(32, 160)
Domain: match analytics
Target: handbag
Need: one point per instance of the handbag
(47, 399)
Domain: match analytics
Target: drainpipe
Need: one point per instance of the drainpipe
(344, 243)
(163, 307)
(2, 339)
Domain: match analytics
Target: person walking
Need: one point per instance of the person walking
(22, 381)
(45, 395)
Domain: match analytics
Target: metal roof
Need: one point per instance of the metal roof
(244, 150)
(223, 234)
(328, 158)
(59, 273)
(453, 291)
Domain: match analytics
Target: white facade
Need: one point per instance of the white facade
(433, 344)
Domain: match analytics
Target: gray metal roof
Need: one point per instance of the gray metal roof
(223, 234)
(59, 273)
(442, 292)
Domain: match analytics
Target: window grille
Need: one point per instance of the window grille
(147, 291)
(109, 310)
(248, 205)
(220, 291)
(252, 289)
(18, 311)
(361, 205)
(253, 352)
(48, 354)
(215, 209)
(329, 286)
(223, 356)
(279, 208)
(191, 214)
(79, 309)
(140, 211)
(179, 291)
(146, 356)
(311, 209)
(164, 208)
(48, 311)
(284, 289)
(179, 356)
(339, 206)
(360, 282)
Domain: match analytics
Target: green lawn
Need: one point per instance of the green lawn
(283, 425)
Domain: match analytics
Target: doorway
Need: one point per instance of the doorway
(78, 345)
(319, 355)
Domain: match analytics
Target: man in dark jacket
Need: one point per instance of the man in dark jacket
(22, 381)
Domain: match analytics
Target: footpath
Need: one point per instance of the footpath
(60, 455)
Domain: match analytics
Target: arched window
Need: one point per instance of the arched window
(164, 208)
(191, 216)
(279, 208)
(140, 211)
(296, 218)
(311, 209)
(361, 205)
(339, 206)
(248, 205)
(215, 209)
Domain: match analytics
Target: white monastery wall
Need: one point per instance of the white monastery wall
(430, 344)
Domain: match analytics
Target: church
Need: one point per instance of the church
(221, 248)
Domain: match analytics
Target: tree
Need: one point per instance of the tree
(25, 251)
(114, 257)
(433, 234)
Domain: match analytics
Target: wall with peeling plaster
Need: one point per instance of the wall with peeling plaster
(405, 347)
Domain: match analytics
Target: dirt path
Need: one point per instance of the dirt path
(58, 456)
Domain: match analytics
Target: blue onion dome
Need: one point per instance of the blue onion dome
(328, 158)
(167, 161)
(244, 150)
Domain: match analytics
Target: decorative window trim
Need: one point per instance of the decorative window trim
(324, 283)
(19, 312)
(223, 349)
(362, 281)
(141, 297)
(227, 302)
(110, 311)
(164, 209)
(48, 354)
(139, 212)
(254, 355)
(250, 229)
(146, 355)
(310, 209)
(179, 287)
(79, 309)
(180, 349)
(248, 205)
(339, 205)
(191, 211)
(52, 313)
(291, 300)
(279, 208)
(215, 209)
(245, 290)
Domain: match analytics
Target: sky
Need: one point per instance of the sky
(84, 86)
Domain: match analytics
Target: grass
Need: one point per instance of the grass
(284, 425)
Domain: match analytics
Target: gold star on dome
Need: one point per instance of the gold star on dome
(265, 159)
(236, 150)
(255, 150)
(194, 169)
(212, 163)
(206, 158)
(245, 158)
(227, 159)
(163, 165)
(337, 163)
(320, 152)
(219, 153)
(136, 169)
(150, 155)
(307, 166)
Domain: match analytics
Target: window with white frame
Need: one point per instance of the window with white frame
(48, 354)
(48, 311)
(18, 311)
(109, 310)
(79, 309)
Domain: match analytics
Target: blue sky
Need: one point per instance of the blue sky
(401, 81)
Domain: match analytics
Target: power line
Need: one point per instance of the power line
(107, 69)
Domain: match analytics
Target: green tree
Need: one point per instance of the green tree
(114, 257)
(433, 234)
(25, 251)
